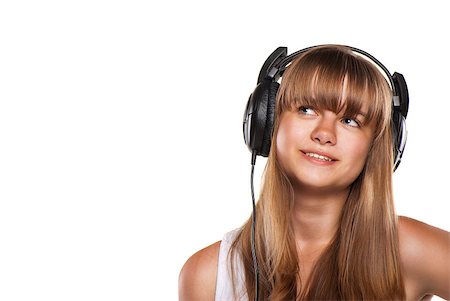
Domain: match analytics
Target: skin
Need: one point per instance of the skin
(320, 192)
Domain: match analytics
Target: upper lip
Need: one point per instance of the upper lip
(319, 153)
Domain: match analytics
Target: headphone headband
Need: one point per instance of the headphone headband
(278, 66)
(285, 61)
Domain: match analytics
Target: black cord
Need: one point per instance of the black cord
(255, 260)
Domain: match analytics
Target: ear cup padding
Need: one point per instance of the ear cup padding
(259, 117)
(260, 99)
(270, 119)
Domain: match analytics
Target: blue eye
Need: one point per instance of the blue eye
(351, 122)
(306, 111)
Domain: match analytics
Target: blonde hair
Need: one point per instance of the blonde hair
(362, 261)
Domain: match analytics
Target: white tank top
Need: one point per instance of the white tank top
(224, 288)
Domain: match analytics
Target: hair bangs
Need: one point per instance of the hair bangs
(335, 79)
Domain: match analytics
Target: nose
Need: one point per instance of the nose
(325, 130)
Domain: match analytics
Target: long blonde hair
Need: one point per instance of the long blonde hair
(362, 261)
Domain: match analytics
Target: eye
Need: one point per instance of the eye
(307, 111)
(351, 122)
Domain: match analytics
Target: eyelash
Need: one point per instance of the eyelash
(302, 110)
(358, 124)
(305, 108)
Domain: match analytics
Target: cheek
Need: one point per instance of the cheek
(282, 145)
(359, 150)
(287, 141)
(290, 133)
(282, 137)
(357, 154)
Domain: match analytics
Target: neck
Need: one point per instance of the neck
(315, 216)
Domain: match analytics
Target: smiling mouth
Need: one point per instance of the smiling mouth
(319, 157)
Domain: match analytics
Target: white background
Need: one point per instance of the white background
(121, 149)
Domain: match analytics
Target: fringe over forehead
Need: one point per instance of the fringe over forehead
(334, 78)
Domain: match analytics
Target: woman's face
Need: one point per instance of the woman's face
(322, 150)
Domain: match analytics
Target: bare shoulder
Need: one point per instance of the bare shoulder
(425, 256)
(197, 279)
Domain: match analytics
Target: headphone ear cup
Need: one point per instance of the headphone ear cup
(399, 113)
(259, 118)
(402, 90)
(268, 130)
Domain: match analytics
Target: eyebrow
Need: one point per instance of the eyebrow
(363, 114)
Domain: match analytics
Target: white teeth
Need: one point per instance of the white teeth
(318, 156)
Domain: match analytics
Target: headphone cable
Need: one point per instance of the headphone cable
(255, 260)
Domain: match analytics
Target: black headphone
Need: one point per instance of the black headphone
(260, 110)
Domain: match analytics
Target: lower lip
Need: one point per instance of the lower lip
(318, 161)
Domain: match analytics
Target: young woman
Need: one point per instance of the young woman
(326, 227)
